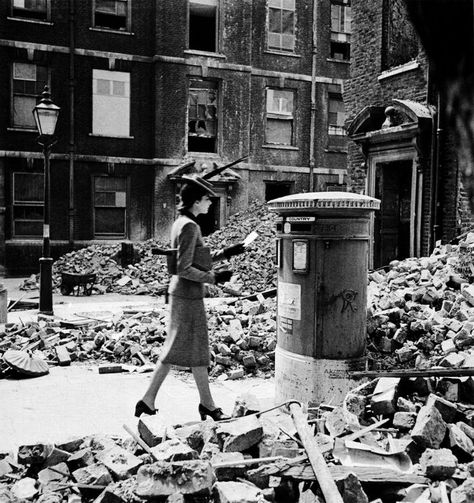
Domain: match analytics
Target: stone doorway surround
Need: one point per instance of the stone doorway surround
(400, 131)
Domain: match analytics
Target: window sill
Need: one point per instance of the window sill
(280, 147)
(334, 60)
(21, 130)
(27, 20)
(335, 150)
(207, 155)
(397, 70)
(111, 136)
(110, 30)
(282, 53)
(204, 54)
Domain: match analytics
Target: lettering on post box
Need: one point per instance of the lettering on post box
(289, 300)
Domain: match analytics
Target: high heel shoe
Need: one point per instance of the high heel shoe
(142, 408)
(215, 414)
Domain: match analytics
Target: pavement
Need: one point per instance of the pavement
(75, 401)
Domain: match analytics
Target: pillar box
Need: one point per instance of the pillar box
(321, 256)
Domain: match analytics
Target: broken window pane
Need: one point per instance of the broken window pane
(336, 115)
(110, 207)
(31, 9)
(27, 84)
(280, 117)
(202, 116)
(112, 14)
(281, 25)
(27, 208)
(203, 25)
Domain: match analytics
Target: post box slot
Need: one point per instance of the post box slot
(299, 228)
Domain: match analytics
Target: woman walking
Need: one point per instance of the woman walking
(187, 343)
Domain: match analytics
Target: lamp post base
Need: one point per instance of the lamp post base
(46, 286)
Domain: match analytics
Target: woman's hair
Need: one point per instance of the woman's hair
(189, 194)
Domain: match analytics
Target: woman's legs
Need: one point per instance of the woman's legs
(202, 382)
(157, 379)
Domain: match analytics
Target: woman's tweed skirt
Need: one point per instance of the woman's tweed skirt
(187, 343)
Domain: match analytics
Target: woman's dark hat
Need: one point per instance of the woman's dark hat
(200, 182)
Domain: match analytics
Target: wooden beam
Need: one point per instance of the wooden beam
(459, 372)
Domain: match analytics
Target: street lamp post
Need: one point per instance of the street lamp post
(46, 116)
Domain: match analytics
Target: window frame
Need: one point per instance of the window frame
(15, 204)
(128, 20)
(219, 114)
(47, 19)
(331, 97)
(280, 49)
(217, 41)
(111, 236)
(36, 95)
(337, 36)
(293, 142)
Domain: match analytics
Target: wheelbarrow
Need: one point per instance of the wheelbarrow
(76, 283)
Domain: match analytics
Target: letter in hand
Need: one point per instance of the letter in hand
(236, 249)
(223, 275)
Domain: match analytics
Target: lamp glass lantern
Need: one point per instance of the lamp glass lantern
(46, 114)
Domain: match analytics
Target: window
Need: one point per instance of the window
(111, 103)
(203, 25)
(30, 9)
(279, 129)
(27, 208)
(202, 116)
(28, 81)
(112, 14)
(281, 25)
(336, 116)
(341, 19)
(110, 207)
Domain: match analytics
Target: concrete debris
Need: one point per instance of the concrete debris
(135, 338)
(148, 274)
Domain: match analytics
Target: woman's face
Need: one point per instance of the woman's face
(202, 205)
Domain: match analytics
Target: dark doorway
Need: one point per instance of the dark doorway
(392, 223)
(210, 221)
(274, 190)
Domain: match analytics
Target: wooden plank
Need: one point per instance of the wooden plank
(459, 372)
(363, 473)
(323, 475)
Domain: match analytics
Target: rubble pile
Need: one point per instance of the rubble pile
(148, 275)
(390, 440)
(421, 311)
(242, 339)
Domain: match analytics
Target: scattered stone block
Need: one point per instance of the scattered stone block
(81, 458)
(236, 373)
(174, 450)
(384, 397)
(109, 495)
(63, 356)
(249, 361)
(230, 472)
(56, 456)
(164, 479)
(151, 429)
(404, 420)
(463, 493)
(448, 389)
(236, 492)
(51, 480)
(404, 405)
(72, 445)
(241, 434)
(96, 475)
(121, 463)
(429, 429)
(448, 410)
(24, 489)
(351, 489)
(461, 445)
(438, 463)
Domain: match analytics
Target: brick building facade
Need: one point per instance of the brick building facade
(402, 149)
(152, 90)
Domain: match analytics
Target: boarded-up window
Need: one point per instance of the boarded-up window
(112, 14)
(28, 82)
(341, 20)
(203, 22)
(111, 103)
(281, 25)
(30, 9)
(27, 208)
(279, 128)
(110, 207)
(336, 115)
(202, 116)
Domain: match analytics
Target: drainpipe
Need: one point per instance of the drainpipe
(72, 26)
(312, 160)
